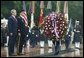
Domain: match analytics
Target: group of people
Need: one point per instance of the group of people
(14, 26)
(19, 27)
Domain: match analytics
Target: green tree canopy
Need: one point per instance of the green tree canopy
(75, 9)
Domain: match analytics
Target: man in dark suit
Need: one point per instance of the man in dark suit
(57, 46)
(12, 27)
(23, 27)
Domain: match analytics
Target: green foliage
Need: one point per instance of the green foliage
(75, 9)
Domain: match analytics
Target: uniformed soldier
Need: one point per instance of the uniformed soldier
(23, 27)
(42, 38)
(77, 33)
(4, 31)
(12, 27)
(33, 38)
(68, 40)
(37, 34)
(3, 35)
(28, 35)
(68, 35)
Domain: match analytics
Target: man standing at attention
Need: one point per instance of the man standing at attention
(12, 27)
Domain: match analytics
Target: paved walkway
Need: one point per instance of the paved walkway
(46, 52)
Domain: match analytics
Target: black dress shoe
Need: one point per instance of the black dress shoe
(77, 48)
(56, 53)
(12, 55)
(20, 53)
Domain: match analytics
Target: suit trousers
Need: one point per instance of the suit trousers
(11, 44)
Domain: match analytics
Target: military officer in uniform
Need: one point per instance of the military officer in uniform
(23, 27)
(42, 38)
(77, 33)
(68, 40)
(3, 34)
(33, 38)
(68, 36)
(37, 34)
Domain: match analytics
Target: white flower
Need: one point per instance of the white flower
(56, 21)
(26, 35)
(63, 24)
(46, 23)
(46, 28)
(63, 21)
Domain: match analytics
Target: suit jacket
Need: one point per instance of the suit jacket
(12, 25)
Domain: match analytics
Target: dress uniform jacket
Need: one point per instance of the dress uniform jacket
(23, 30)
(77, 34)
